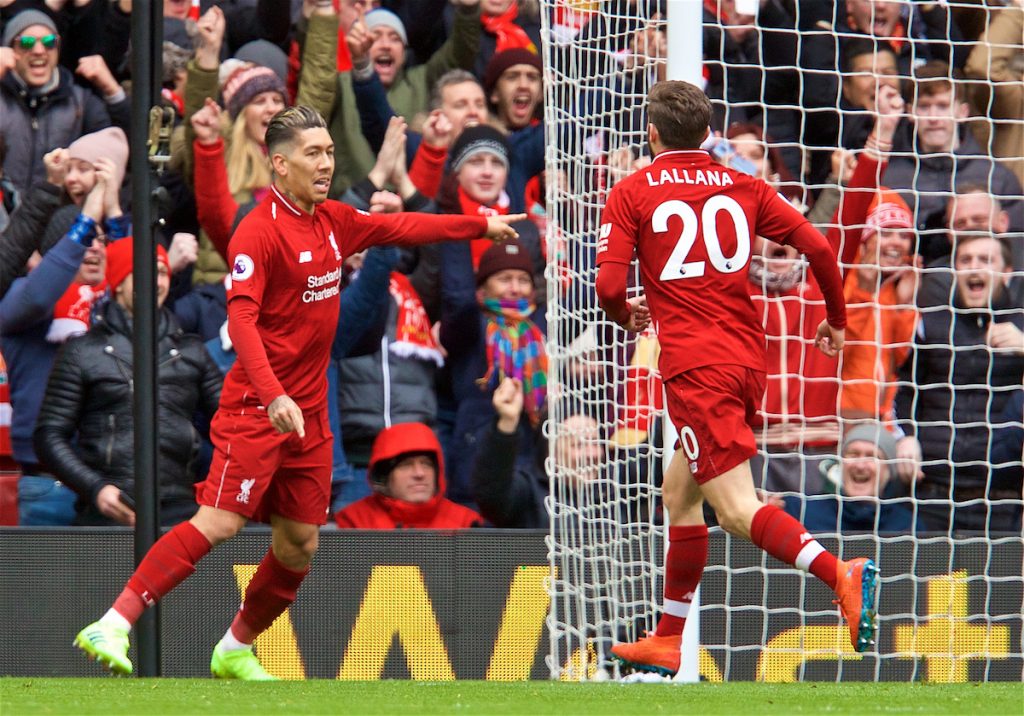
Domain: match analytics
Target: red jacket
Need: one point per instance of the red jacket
(801, 392)
(380, 512)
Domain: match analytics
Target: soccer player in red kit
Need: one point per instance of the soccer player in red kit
(691, 223)
(272, 459)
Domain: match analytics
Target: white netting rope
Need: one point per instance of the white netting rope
(605, 543)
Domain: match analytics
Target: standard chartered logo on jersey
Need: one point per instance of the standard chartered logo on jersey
(322, 287)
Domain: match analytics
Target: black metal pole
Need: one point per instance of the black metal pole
(146, 43)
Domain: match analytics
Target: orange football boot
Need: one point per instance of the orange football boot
(855, 591)
(659, 654)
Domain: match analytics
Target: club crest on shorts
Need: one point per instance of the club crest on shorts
(243, 267)
(244, 490)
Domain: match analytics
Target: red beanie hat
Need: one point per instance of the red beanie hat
(119, 261)
(887, 211)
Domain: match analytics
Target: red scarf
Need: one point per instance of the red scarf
(413, 335)
(471, 207)
(71, 313)
(509, 35)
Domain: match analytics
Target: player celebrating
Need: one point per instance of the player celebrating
(691, 222)
(272, 443)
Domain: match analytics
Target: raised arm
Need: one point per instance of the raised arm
(362, 230)
(317, 79)
(202, 78)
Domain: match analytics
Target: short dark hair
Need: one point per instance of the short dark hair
(681, 112)
(961, 240)
(855, 47)
(286, 125)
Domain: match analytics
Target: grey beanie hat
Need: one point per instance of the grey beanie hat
(875, 433)
(267, 54)
(24, 19)
(381, 17)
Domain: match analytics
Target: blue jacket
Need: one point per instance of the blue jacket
(25, 315)
(822, 514)
(463, 334)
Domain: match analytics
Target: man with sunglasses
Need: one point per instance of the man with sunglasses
(41, 106)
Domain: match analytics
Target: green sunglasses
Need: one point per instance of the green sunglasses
(27, 42)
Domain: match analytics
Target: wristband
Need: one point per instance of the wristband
(83, 231)
(363, 70)
(117, 227)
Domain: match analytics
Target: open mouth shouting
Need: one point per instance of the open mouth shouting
(975, 288)
(386, 65)
(523, 104)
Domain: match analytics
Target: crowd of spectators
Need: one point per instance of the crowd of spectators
(896, 127)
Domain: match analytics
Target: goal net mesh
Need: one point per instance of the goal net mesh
(950, 605)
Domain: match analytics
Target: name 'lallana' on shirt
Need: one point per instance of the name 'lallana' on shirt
(675, 175)
(332, 281)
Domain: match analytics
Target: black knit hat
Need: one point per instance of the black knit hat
(475, 140)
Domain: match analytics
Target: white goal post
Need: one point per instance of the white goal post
(951, 600)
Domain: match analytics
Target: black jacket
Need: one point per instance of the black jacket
(21, 237)
(953, 389)
(89, 397)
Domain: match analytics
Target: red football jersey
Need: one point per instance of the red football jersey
(289, 263)
(692, 223)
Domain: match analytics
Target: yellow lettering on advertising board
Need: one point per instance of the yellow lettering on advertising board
(575, 669)
(396, 604)
(947, 640)
(786, 651)
(277, 647)
(522, 625)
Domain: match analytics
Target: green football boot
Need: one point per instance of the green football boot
(240, 664)
(106, 644)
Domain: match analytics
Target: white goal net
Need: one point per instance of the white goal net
(932, 351)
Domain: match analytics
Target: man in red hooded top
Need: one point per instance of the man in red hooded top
(407, 476)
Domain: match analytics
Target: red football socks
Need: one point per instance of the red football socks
(167, 564)
(787, 540)
(271, 591)
(684, 564)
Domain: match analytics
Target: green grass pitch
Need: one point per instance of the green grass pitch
(149, 697)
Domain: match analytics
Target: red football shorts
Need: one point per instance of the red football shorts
(258, 472)
(713, 408)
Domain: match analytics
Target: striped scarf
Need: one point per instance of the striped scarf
(515, 349)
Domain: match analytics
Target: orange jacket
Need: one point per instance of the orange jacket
(879, 333)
